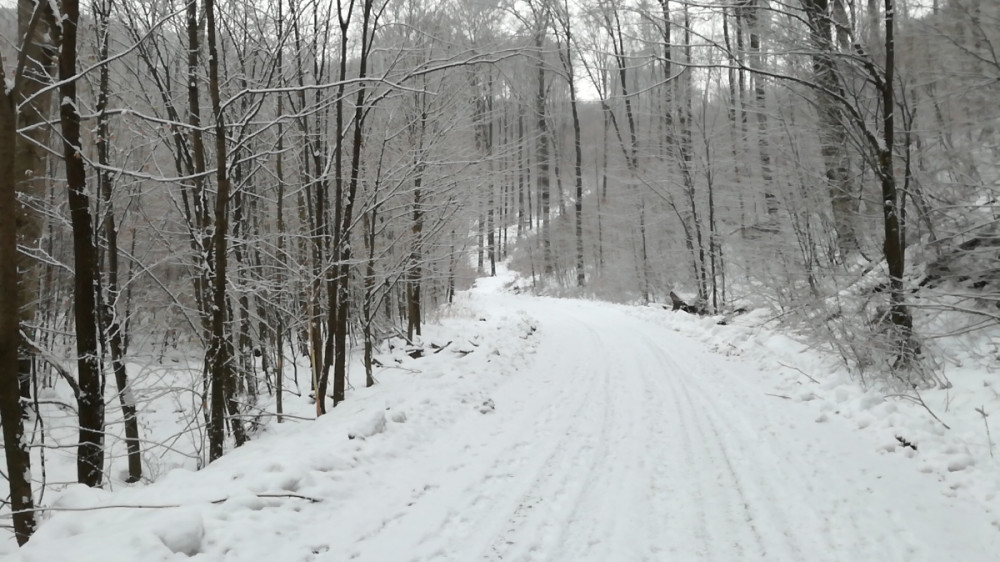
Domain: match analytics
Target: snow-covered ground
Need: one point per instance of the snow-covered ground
(550, 429)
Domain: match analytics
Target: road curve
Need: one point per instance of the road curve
(626, 441)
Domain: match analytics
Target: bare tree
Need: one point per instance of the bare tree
(219, 354)
(90, 456)
(112, 334)
(563, 23)
(832, 130)
(18, 460)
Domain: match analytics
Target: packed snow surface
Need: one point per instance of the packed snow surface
(546, 429)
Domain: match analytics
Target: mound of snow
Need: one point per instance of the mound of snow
(181, 530)
(371, 424)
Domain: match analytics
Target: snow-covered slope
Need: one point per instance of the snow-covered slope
(546, 430)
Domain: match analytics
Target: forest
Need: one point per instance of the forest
(251, 190)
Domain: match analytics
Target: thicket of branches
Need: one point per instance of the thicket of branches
(276, 183)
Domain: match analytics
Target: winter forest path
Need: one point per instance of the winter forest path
(569, 431)
(626, 441)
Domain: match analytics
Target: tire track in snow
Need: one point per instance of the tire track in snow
(678, 504)
(459, 472)
(595, 522)
(739, 454)
(563, 490)
(499, 481)
(625, 445)
(528, 528)
(712, 523)
(789, 504)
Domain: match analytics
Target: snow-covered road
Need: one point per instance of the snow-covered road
(613, 440)
(625, 441)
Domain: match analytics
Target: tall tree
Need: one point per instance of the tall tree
(892, 202)
(18, 460)
(220, 345)
(90, 455)
(542, 141)
(342, 239)
(33, 75)
(752, 14)
(112, 333)
(832, 130)
(566, 57)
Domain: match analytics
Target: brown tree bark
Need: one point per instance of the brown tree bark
(892, 211)
(15, 446)
(110, 325)
(279, 172)
(36, 66)
(414, 268)
(343, 241)
(90, 452)
(220, 347)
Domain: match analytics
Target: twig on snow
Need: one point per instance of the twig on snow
(163, 506)
(919, 400)
(799, 370)
(989, 438)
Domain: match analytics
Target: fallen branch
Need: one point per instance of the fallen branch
(799, 370)
(162, 506)
(439, 348)
(919, 400)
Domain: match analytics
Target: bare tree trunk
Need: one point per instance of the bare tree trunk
(18, 460)
(334, 279)
(483, 123)
(760, 100)
(566, 54)
(344, 245)
(734, 101)
(312, 203)
(523, 218)
(36, 67)
(491, 227)
(368, 311)
(279, 172)
(832, 131)
(542, 154)
(452, 261)
(602, 182)
(199, 218)
(220, 348)
(414, 271)
(892, 209)
(685, 155)
(715, 264)
(111, 325)
(90, 452)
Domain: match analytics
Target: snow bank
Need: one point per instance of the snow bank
(279, 482)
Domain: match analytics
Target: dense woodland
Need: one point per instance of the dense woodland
(268, 184)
